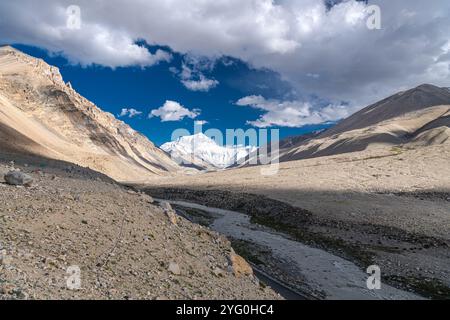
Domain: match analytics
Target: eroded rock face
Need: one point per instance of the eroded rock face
(240, 266)
(17, 178)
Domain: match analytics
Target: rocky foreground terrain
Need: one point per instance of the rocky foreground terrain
(126, 245)
(389, 207)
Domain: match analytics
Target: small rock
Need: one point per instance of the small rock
(174, 268)
(171, 214)
(17, 178)
(218, 272)
(166, 206)
(172, 217)
(38, 172)
(147, 198)
(4, 258)
(7, 289)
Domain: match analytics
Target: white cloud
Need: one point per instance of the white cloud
(96, 42)
(173, 111)
(291, 113)
(130, 113)
(191, 74)
(251, 101)
(201, 122)
(292, 37)
(202, 84)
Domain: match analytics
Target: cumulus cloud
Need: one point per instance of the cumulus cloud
(296, 38)
(173, 111)
(130, 113)
(291, 113)
(45, 24)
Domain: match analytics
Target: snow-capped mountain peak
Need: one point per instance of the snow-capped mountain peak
(202, 151)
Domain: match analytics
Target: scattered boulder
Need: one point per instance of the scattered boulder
(7, 289)
(4, 258)
(17, 178)
(166, 206)
(174, 268)
(170, 213)
(239, 265)
(147, 198)
(172, 217)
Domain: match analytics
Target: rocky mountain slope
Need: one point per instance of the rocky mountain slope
(395, 106)
(203, 152)
(40, 114)
(123, 244)
(416, 117)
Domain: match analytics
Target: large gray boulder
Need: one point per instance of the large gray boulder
(17, 178)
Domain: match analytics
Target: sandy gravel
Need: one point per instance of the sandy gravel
(125, 246)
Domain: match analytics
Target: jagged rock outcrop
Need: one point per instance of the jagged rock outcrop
(41, 114)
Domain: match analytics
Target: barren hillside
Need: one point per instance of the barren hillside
(40, 114)
(424, 127)
(419, 116)
(125, 245)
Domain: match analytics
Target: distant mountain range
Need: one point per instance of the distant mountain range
(42, 115)
(202, 152)
(412, 118)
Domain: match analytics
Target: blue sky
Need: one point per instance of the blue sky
(146, 89)
(290, 64)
